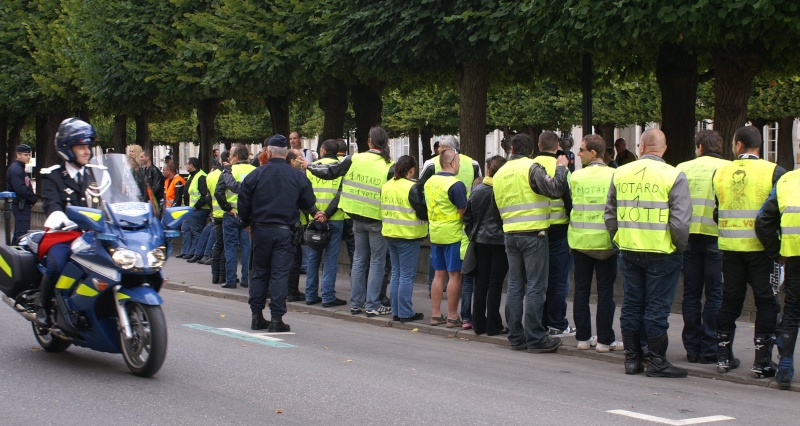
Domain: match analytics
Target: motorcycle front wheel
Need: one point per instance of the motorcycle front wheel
(144, 353)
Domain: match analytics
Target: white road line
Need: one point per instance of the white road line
(693, 421)
(256, 335)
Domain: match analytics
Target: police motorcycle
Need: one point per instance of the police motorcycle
(106, 298)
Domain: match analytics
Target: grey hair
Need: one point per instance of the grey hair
(277, 151)
(449, 141)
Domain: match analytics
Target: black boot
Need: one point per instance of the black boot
(259, 322)
(725, 359)
(44, 303)
(763, 366)
(278, 326)
(659, 366)
(786, 342)
(633, 353)
(215, 271)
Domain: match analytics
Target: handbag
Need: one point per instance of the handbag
(317, 238)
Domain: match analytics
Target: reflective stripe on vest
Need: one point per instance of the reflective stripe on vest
(557, 214)
(466, 173)
(211, 181)
(789, 205)
(361, 187)
(194, 191)
(587, 229)
(699, 173)
(326, 190)
(741, 188)
(398, 216)
(643, 206)
(445, 222)
(239, 172)
(520, 208)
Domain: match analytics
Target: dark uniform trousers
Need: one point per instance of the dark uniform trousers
(22, 220)
(270, 267)
(738, 270)
(791, 306)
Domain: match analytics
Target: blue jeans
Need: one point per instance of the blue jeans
(467, 282)
(233, 236)
(331, 265)
(527, 286)
(206, 241)
(405, 258)
(306, 251)
(650, 283)
(191, 229)
(555, 305)
(702, 274)
(369, 258)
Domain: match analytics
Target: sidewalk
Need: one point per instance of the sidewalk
(193, 278)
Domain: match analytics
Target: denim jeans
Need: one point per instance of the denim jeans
(702, 274)
(369, 260)
(206, 241)
(191, 229)
(467, 283)
(606, 270)
(650, 284)
(555, 305)
(331, 265)
(234, 236)
(527, 288)
(306, 252)
(405, 258)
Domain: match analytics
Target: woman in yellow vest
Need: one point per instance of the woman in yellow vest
(364, 176)
(404, 218)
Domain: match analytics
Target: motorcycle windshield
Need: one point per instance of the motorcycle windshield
(121, 185)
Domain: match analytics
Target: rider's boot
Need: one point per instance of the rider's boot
(763, 366)
(44, 302)
(786, 342)
(725, 359)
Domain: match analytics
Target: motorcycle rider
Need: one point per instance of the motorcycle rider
(62, 186)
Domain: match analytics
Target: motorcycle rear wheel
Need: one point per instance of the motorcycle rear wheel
(145, 352)
(49, 342)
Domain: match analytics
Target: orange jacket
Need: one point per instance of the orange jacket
(169, 189)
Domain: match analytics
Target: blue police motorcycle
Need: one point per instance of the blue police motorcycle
(106, 298)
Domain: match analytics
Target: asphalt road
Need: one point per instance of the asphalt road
(339, 372)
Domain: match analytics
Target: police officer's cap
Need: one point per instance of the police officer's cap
(277, 140)
(24, 148)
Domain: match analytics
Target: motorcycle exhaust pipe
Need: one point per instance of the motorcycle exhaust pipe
(30, 316)
(124, 321)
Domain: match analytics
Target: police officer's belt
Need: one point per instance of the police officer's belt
(274, 225)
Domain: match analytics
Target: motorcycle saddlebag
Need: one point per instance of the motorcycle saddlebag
(18, 270)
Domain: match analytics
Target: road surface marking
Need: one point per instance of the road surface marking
(693, 421)
(243, 335)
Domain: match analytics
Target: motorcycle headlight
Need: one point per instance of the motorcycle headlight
(156, 257)
(126, 259)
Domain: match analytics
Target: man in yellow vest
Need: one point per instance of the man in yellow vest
(446, 199)
(234, 235)
(702, 260)
(554, 317)
(217, 214)
(741, 188)
(591, 247)
(328, 215)
(778, 229)
(521, 190)
(194, 195)
(647, 214)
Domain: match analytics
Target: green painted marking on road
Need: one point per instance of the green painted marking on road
(242, 335)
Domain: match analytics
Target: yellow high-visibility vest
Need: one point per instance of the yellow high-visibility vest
(587, 228)
(789, 205)
(361, 188)
(398, 216)
(699, 172)
(239, 172)
(445, 222)
(211, 181)
(557, 214)
(194, 189)
(741, 187)
(466, 174)
(326, 190)
(520, 208)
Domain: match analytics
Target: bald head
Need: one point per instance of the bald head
(653, 142)
(448, 159)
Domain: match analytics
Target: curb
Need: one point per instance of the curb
(469, 335)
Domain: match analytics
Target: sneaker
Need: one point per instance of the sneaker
(569, 331)
(584, 345)
(550, 344)
(466, 325)
(383, 310)
(614, 346)
(356, 311)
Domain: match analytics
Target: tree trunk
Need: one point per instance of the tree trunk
(46, 128)
(5, 152)
(785, 143)
(278, 107)
(206, 114)
(14, 134)
(368, 109)
(606, 130)
(734, 70)
(333, 103)
(143, 131)
(426, 134)
(175, 152)
(676, 73)
(413, 146)
(473, 85)
(119, 140)
(759, 123)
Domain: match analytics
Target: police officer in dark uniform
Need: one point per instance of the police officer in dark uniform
(64, 185)
(270, 200)
(17, 181)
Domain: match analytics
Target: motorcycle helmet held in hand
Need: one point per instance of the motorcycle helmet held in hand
(71, 132)
(317, 235)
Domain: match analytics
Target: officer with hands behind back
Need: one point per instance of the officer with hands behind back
(17, 181)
